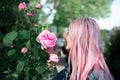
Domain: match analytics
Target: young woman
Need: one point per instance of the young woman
(85, 60)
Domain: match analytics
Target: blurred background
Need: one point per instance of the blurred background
(57, 14)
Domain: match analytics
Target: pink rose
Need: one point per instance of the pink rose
(47, 39)
(36, 25)
(22, 6)
(30, 14)
(24, 50)
(53, 58)
(37, 5)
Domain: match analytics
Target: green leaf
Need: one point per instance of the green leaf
(35, 52)
(24, 34)
(11, 52)
(38, 69)
(28, 44)
(10, 37)
(34, 78)
(20, 66)
(59, 53)
(15, 75)
(5, 72)
(36, 56)
(41, 68)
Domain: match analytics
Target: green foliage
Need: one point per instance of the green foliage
(66, 11)
(104, 35)
(8, 14)
(20, 66)
(104, 38)
(112, 52)
(14, 64)
(10, 37)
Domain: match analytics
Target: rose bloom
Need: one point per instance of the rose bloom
(53, 58)
(37, 5)
(36, 25)
(24, 50)
(22, 6)
(46, 39)
(30, 14)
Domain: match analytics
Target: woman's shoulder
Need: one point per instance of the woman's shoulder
(94, 75)
(62, 75)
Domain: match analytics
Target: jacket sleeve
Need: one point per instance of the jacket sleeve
(94, 75)
(61, 75)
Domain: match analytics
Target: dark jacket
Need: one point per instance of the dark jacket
(64, 75)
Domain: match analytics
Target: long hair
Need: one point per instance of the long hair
(86, 51)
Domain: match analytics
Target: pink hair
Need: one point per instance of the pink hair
(86, 51)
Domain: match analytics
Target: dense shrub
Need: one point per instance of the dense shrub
(21, 57)
(112, 52)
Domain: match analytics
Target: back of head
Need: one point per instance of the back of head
(86, 52)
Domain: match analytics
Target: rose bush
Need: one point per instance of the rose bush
(32, 64)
